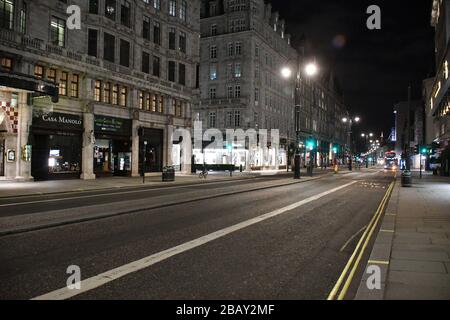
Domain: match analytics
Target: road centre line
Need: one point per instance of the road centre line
(119, 272)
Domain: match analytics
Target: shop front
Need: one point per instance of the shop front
(57, 142)
(151, 150)
(112, 147)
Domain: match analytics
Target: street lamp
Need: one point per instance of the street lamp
(351, 121)
(311, 70)
(366, 145)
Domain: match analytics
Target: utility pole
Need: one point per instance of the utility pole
(408, 134)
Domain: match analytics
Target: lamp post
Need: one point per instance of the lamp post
(351, 121)
(311, 70)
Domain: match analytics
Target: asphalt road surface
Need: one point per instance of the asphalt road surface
(279, 242)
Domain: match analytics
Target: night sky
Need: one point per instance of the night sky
(375, 67)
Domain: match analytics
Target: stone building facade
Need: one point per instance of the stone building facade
(124, 82)
(244, 47)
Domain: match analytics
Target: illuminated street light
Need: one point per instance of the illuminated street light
(286, 72)
(357, 119)
(311, 69)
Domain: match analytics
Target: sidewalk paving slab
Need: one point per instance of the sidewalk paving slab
(418, 265)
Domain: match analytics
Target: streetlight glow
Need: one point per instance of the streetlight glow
(344, 120)
(286, 72)
(311, 69)
(357, 119)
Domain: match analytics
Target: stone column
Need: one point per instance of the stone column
(23, 168)
(135, 149)
(88, 147)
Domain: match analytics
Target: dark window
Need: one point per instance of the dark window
(182, 74)
(171, 71)
(109, 47)
(92, 42)
(125, 13)
(124, 53)
(93, 6)
(145, 62)
(182, 42)
(156, 66)
(57, 31)
(6, 14)
(146, 28)
(172, 38)
(157, 33)
(23, 18)
(110, 9)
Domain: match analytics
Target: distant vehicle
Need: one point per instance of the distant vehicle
(391, 165)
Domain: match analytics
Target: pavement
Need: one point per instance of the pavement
(18, 189)
(412, 248)
(255, 239)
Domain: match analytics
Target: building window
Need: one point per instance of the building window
(230, 92)
(230, 49)
(110, 9)
(182, 42)
(145, 62)
(238, 48)
(51, 75)
(98, 91)
(7, 64)
(214, 30)
(6, 14)
(229, 119)
(23, 19)
(161, 104)
(124, 53)
(109, 47)
(256, 51)
(173, 8)
(74, 86)
(157, 4)
(212, 120)
(39, 71)
(115, 94)
(125, 13)
(63, 80)
(237, 70)
(171, 71)
(213, 52)
(182, 74)
(172, 36)
(177, 107)
(107, 92)
(92, 42)
(154, 102)
(237, 91)
(212, 93)
(146, 28)
(183, 11)
(156, 66)
(93, 6)
(57, 31)
(237, 118)
(147, 101)
(157, 33)
(256, 95)
(212, 9)
(123, 96)
(141, 100)
(213, 72)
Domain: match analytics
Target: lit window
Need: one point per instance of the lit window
(74, 86)
(97, 91)
(63, 83)
(38, 71)
(213, 72)
(123, 96)
(51, 75)
(7, 64)
(107, 92)
(57, 31)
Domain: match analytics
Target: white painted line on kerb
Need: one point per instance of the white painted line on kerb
(114, 274)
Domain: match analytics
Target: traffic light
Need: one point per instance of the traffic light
(310, 144)
(416, 149)
(424, 150)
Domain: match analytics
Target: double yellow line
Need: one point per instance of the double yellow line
(361, 247)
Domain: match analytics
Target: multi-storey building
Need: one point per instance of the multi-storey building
(97, 101)
(439, 102)
(244, 47)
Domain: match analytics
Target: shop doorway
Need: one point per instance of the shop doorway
(112, 158)
(39, 163)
